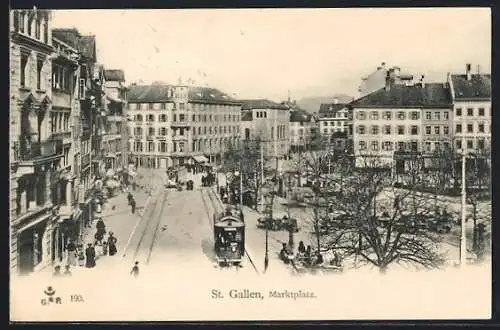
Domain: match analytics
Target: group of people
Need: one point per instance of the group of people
(304, 255)
(86, 257)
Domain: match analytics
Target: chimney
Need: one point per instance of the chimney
(467, 71)
(335, 100)
(478, 69)
(422, 81)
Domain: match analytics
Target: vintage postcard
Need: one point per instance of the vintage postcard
(250, 164)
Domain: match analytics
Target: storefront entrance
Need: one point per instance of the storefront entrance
(25, 253)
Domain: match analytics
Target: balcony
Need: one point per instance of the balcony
(181, 138)
(183, 123)
(64, 136)
(30, 155)
(178, 153)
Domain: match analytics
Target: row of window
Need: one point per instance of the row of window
(182, 106)
(197, 145)
(59, 122)
(30, 24)
(388, 115)
(333, 123)
(162, 131)
(469, 143)
(388, 129)
(470, 112)
(470, 128)
(182, 117)
(61, 77)
(337, 129)
(375, 145)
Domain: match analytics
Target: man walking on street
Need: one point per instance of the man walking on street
(135, 270)
(132, 204)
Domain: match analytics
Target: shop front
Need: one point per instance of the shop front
(33, 244)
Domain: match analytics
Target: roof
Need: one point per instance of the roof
(432, 95)
(161, 93)
(114, 75)
(87, 46)
(300, 116)
(478, 88)
(262, 104)
(209, 95)
(331, 107)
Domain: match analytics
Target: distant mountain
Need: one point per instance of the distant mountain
(311, 104)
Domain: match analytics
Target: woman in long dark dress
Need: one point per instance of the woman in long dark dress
(71, 248)
(90, 256)
(112, 244)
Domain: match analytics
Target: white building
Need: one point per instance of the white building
(471, 110)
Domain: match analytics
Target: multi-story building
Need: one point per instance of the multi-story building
(115, 140)
(303, 126)
(390, 120)
(335, 125)
(64, 114)
(472, 110)
(268, 122)
(173, 125)
(88, 121)
(34, 152)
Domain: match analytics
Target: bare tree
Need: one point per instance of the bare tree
(246, 159)
(392, 237)
(478, 184)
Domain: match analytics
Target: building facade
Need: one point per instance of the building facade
(115, 138)
(471, 110)
(394, 120)
(303, 126)
(64, 116)
(268, 122)
(35, 153)
(336, 125)
(173, 125)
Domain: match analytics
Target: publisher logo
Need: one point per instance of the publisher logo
(50, 297)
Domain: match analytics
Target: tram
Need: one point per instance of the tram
(229, 237)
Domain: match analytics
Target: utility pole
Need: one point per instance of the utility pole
(463, 243)
(261, 173)
(241, 187)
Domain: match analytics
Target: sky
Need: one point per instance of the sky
(267, 53)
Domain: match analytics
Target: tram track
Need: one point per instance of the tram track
(153, 218)
(218, 206)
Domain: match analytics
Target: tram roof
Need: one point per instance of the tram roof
(229, 221)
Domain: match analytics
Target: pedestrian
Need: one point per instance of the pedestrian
(135, 269)
(71, 248)
(105, 248)
(112, 244)
(81, 256)
(90, 256)
(67, 272)
(57, 271)
(132, 204)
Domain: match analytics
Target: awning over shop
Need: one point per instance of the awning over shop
(114, 99)
(200, 159)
